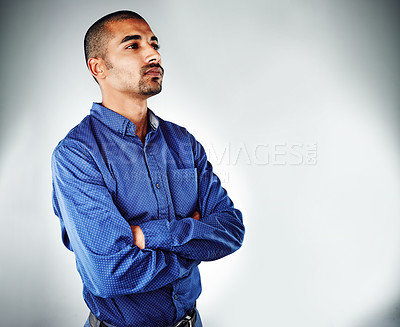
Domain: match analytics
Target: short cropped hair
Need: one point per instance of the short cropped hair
(97, 36)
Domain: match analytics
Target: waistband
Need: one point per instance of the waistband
(187, 321)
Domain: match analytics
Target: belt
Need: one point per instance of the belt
(188, 321)
(94, 322)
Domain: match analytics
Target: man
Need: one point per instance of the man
(136, 197)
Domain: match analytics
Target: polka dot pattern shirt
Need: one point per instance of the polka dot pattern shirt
(105, 180)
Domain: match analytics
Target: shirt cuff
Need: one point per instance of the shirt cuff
(157, 234)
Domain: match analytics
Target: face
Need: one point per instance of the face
(132, 62)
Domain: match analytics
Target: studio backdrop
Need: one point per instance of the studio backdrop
(297, 105)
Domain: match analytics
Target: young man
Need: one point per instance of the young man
(136, 197)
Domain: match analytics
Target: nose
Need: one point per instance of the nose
(152, 55)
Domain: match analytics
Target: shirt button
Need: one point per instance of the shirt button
(176, 297)
(158, 185)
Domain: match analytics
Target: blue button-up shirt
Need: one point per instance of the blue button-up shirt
(104, 180)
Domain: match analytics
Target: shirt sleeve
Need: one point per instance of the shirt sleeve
(107, 259)
(218, 233)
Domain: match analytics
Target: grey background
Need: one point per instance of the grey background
(253, 81)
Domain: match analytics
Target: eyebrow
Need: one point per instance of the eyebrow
(137, 37)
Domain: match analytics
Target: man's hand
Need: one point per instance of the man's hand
(138, 237)
(196, 215)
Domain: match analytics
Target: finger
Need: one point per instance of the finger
(196, 215)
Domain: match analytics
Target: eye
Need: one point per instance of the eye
(133, 46)
(156, 47)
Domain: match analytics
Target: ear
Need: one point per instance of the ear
(97, 68)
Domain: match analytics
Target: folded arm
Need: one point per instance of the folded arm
(215, 232)
(102, 240)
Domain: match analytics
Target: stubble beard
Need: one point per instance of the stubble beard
(150, 88)
(145, 86)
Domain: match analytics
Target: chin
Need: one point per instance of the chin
(152, 91)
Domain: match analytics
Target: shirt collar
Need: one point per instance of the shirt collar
(117, 122)
(153, 120)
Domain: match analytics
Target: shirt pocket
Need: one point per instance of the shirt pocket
(183, 188)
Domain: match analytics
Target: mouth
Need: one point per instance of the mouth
(154, 72)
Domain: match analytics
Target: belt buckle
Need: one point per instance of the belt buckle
(185, 322)
(190, 321)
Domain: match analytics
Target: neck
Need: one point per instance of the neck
(135, 109)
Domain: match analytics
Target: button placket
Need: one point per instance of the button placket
(157, 180)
